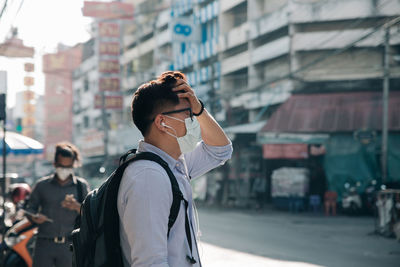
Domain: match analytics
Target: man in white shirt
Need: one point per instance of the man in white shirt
(178, 128)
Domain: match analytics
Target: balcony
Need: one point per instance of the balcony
(146, 46)
(342, 10)
(226, 5)
(271, 50)
(268, 23)
(340, 39)
(163, 37)
(234, 63)
(234, 37)
(163, 18)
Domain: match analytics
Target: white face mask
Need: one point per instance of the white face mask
(64, 173)
(188, 142)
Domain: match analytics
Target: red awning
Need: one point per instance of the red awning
(336, 112)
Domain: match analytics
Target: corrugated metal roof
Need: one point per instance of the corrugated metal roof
(336, 112)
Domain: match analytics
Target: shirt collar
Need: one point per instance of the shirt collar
(54, 179)
(146, 147)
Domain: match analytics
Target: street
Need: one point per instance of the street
(275, 238)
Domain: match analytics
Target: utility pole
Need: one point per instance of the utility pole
(385, 96)
(385, 106)
(3, 117)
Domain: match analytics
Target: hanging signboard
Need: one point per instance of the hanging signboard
(109, 66)
(109, 84)
(29, 67)
(285, 151)
(14, 47)
(29, 81)
(107, 10)
(29, 108)
(28, 121)
(109, 48)
(108, 29)
(54, 62)
(110, 102)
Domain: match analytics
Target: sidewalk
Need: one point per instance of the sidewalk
(238, 237)
(213, 256)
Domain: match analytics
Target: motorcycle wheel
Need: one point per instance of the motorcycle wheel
(14, 260)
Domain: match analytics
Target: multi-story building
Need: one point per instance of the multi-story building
(249, 57)
(102, 130)
(58, 68)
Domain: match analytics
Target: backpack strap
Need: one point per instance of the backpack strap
(111, 218)
(176, 192)
(177, 198)
(79, 190)
(123, 158)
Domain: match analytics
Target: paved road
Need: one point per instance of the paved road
(272, 238)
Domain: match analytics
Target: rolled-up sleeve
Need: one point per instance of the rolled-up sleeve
(205, 158)
(144, 207)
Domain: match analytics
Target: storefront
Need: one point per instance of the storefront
(232, 183)
(338, 132)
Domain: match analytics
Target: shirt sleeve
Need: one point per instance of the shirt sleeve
(33, 202)
(205, 158)
(146, 200)
(85, 188)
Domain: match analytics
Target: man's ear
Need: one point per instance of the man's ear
(159, 122)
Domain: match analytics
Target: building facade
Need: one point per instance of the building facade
(244, 58)
(58, 68)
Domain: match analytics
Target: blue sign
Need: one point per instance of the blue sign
(183, 29)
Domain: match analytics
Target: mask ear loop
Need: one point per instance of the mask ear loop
(174, 118)
(167, 126)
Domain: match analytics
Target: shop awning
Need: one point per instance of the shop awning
(291, 138)
(254, 127)
(333, 113)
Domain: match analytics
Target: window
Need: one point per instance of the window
(86, 85)
(86, 122)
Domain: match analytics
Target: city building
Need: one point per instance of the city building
(245, 58)
(58, 69)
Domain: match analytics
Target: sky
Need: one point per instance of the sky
(42, 24)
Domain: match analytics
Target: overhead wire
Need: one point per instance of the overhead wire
(310, 64)
(3, 8)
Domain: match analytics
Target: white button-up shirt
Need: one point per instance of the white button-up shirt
(144, 202)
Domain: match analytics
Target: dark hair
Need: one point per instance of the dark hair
(68, 150)
(151, 98)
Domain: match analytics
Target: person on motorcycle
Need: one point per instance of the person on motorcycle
(56, 200)
(19, 194)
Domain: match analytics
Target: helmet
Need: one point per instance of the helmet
(19, 192)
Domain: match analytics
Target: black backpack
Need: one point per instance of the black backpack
(95, 241)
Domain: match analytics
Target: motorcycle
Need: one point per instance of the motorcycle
(18, 243)
(351, 199)
(358, 201)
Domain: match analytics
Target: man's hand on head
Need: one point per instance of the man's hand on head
(183, 89)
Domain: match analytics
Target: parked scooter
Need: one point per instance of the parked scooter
(356, 201)
(18, 244)
(351, 199)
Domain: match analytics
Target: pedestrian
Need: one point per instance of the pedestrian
(330, 198)
(259, 188)
(55, 200)
(178, 128)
